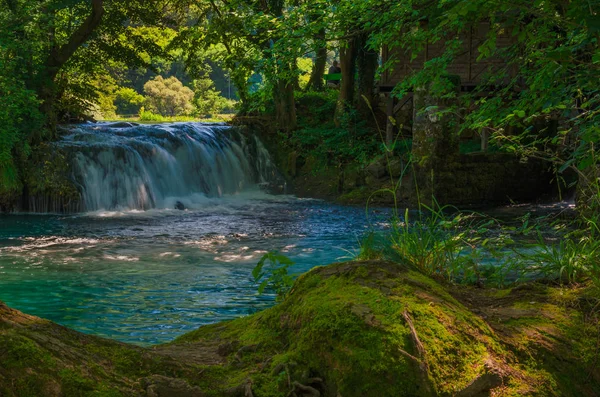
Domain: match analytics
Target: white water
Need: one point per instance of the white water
(128, 265)
(140, 167)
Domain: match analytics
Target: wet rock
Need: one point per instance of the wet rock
(397, 167)
(179, 206)
(122, 124)
(377, 168)
(279, 187)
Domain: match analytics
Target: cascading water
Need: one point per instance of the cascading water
(130, 166)
(145, 277)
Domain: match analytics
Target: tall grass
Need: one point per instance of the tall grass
(471, 248)
(571, 257)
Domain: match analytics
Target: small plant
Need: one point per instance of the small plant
(441, 245)
(272, 271)
(569, 257)
(148, 116)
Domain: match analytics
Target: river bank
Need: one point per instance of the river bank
(347, 329)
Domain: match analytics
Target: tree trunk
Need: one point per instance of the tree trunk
(348, 66)
(285, 105)
(316, 77)
(367, 62)
(283, 88)
(59, 56)
(296, 75)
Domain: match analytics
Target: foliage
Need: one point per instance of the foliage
(55, 63)
(148, 116)
(550, 50)
(272, 271)
(352, 141)
(207, 100)
(545, 101)
(19, 120)
(106, 88)
(168, 97)
(570, 255)
(128, 101)
(305, 66)
(469, 248)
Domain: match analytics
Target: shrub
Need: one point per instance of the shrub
(168, 97)
(207, 100)
(20, 119)
(128, 101)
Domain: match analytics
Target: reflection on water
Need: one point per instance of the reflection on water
(149, 276)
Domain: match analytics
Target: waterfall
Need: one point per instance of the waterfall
(131, 166)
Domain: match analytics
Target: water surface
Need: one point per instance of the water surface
(148, 276)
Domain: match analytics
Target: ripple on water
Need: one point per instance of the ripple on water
(148, 276)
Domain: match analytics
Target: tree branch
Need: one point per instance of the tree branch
(59, 56)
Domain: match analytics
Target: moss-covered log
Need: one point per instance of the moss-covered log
(349, 329)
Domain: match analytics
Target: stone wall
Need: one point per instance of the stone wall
(488, 179)
(480, 178)
(463, 180)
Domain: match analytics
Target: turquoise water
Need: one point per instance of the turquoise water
(149, 276)
(144, 272)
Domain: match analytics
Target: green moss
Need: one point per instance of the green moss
(75, 384)
(356, 196)
(47, 174)
(500, 293)
(21, 352)
(347, 324)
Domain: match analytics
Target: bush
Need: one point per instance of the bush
(147, 115)
(20, 119)
(207, 100)
(128, 101)
(316, 108)
(168, 97)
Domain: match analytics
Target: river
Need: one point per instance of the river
(131, 267)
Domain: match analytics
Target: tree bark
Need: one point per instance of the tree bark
(367, 62)
(285, 105)
(316, 77)
(283, 88)
(348, 66)
(59, 56)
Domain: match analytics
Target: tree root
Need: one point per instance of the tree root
(410, 356)
(301, 390)
(242, 350)
(421, 361)
(242, 390)
(418, 345)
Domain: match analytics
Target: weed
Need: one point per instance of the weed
(272, 269)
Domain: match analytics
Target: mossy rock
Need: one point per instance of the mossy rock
(369, 328)
(48, 172)
(347, 330)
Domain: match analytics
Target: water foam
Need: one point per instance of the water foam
(141, 167)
